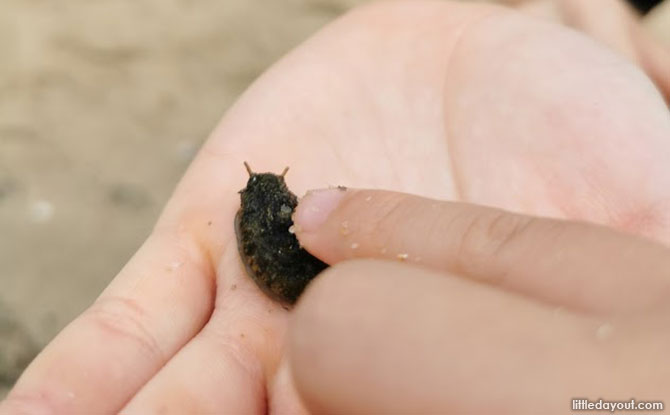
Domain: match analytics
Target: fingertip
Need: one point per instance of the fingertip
(313, 221)
(315, 207)
(341, 224)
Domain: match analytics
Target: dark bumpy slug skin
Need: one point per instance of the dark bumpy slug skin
(272, 255)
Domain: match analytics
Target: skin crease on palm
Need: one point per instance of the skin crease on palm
(471, 103)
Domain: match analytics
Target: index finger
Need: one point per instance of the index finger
(574, 264)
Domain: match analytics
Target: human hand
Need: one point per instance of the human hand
(460, 102)
(474, 310)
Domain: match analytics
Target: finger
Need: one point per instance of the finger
(283, 395)
(378, 337)
(223, 379)
(608, 21)
(579, 265)
(159, 301)
(655, 58)
(225, 368)
(656, 22)
(614, 23)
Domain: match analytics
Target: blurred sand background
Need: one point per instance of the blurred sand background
(102, 106)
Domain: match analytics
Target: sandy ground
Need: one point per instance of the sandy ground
(102, 106)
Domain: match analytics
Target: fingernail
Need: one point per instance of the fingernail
(315, 207)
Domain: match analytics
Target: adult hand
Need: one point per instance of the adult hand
(452, 101)
(474, 310)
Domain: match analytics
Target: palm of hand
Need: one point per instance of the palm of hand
(451, 102)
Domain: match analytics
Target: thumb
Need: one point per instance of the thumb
(578, 265)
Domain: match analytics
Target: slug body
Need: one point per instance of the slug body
(272, 255)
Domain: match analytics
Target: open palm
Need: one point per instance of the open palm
(460, 102)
